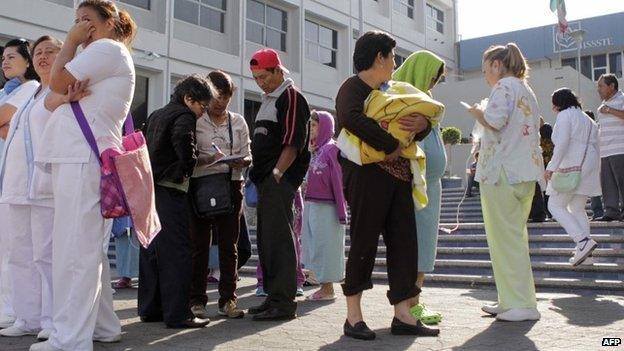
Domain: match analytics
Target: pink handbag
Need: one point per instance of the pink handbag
(127, 183)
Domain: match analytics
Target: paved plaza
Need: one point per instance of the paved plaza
(570, 321)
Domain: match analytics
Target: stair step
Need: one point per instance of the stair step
(472, 280)
(538, 238)
(613, 268)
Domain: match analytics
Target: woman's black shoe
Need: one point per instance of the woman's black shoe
(260, 308)
(400, 328)
(359, 331)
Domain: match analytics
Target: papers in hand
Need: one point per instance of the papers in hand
(227, 159)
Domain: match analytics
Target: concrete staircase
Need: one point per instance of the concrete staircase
(463, 257)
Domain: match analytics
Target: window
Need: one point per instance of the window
(586, 66)
(615, 64)
(2, 80)
(399, 59)
(139, 101)
(321, 43)
(144, 4)
(250, 112)
(435, 19)
(569, 62)
(68, 3)
(266, 25)
(205, 13)
(593, 67)
(600, 65)
(405, 7)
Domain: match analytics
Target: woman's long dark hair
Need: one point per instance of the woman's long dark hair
(23, 49)
(565, 98)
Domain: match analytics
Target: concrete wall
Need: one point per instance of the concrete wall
(543, 81)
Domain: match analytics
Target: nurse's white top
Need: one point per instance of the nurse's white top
(109, 67)
(22, 182)
(17, 99)
(515, 147)
(570, 135)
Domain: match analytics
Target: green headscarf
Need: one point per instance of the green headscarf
(419, 69)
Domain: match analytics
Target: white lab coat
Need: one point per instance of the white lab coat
(570, 138)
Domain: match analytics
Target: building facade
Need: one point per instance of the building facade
(552, 57)
(315, 39)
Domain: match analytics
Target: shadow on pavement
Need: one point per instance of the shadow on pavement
(148, 336)
(384, 341)
(514, 335)
(587, 311)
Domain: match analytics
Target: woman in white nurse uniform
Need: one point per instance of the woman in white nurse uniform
(83, 303)
(26, 190)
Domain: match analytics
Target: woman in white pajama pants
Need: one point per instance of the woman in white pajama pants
(83, 303)
(83, 297)
(27, 191)
(575, 136)
(18, 69)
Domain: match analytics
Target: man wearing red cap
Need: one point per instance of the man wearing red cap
(280, 161)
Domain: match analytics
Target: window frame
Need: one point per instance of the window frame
(431, 19)
(608, 69)
(210, 7)
(405, 4)
(334, 50)
(266, 26)
(149, 5)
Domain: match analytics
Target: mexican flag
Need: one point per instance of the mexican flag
(559, 6)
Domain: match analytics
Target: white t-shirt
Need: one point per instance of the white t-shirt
(109, 67)
(15, 183)
(611, 127)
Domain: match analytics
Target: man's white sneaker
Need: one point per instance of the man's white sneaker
(14, 331)
(44, 334)
(588, 261)
(43, 346)
(107, 340)
(519, 314)
(493, 309)
(6, 321)
(583, 249)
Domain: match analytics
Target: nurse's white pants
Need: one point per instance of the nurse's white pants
(6, 307)
(83, 300)
(30, 265)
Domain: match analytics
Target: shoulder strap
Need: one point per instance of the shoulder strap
(129, 124)
(230, 133)
(591, 127)
(86, 129)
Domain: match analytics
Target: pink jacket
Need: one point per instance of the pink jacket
(324, 176)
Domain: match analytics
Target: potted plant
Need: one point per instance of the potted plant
(450, 136)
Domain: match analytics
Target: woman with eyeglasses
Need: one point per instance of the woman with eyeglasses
(220, 133)
(165, 265)
(18, 70)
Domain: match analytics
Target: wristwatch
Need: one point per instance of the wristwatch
(276, 172)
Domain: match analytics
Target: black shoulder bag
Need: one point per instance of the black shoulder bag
(211, 195)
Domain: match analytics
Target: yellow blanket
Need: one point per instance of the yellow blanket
(386, 107)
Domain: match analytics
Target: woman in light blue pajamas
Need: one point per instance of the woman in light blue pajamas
(423, 69)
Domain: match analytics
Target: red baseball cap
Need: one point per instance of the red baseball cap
(266, 58)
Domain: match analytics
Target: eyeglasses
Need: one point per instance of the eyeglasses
(203, 106)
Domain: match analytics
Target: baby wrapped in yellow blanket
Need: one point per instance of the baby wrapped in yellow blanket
(387, 107)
